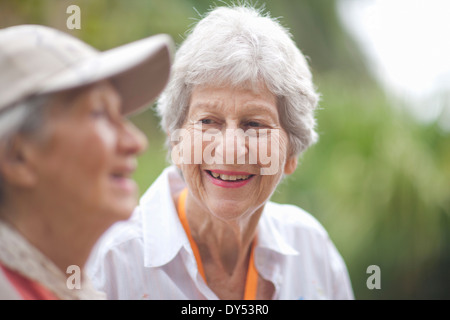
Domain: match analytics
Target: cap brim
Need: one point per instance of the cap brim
(140, 70)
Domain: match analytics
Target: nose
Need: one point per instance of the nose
(132, 141)
(232, 147)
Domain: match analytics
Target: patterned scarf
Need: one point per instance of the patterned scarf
(19, 255)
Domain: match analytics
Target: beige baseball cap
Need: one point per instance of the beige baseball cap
(36, 59)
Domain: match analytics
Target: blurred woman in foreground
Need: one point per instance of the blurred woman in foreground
(67, 153)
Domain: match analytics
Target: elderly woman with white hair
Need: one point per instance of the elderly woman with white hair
(67, 152)
(238, 112)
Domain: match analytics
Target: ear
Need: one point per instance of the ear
(290, 165)
(16, 162)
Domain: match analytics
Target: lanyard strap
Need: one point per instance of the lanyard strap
(252, 274)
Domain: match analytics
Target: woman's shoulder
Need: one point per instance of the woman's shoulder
(120, 241)
(121, 233)
(288, 216)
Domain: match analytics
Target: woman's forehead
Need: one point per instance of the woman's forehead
(82, 95)
(241, 98)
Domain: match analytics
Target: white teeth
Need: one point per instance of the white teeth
(215, 175)
(228, 177)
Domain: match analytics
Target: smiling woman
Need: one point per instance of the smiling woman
(206, 228)
(67, 152)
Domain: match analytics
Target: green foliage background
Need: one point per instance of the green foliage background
(377, 180)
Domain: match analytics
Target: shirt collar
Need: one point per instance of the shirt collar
(269, 236)
(163, 233)
(272, 248)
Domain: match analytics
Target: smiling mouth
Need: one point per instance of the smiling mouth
(119, 176)
(229, 178)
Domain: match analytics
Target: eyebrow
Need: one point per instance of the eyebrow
(258, 107)
(251, 108)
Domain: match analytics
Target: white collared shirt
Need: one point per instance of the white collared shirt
(150, 257)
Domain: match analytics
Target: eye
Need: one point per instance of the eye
(254, 124)
(99, 113)
(206, 121)
(103, 112)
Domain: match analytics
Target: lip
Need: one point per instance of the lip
(122, 178)
(229, 184)
(125, 184)
(232, 173)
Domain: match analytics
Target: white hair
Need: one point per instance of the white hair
(239, 45)
(24, 117)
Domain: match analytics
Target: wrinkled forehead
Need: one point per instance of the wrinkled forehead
(223, 79)
(244, 100)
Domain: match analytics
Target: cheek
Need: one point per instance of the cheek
(193, 177)
(82, 153)
(182, 147)
(96, 151)
(269, 152)
(282, 147)
(191, 146)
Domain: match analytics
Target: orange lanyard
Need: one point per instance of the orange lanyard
(252, 275)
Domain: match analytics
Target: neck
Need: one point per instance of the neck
(63, 238)
(224, 243)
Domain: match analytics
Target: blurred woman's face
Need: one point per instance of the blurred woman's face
(234, 150)
(88, 154)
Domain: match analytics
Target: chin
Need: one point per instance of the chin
(230, 212)
(121, 211)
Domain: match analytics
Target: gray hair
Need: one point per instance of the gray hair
(237, 46)
(25, 117)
